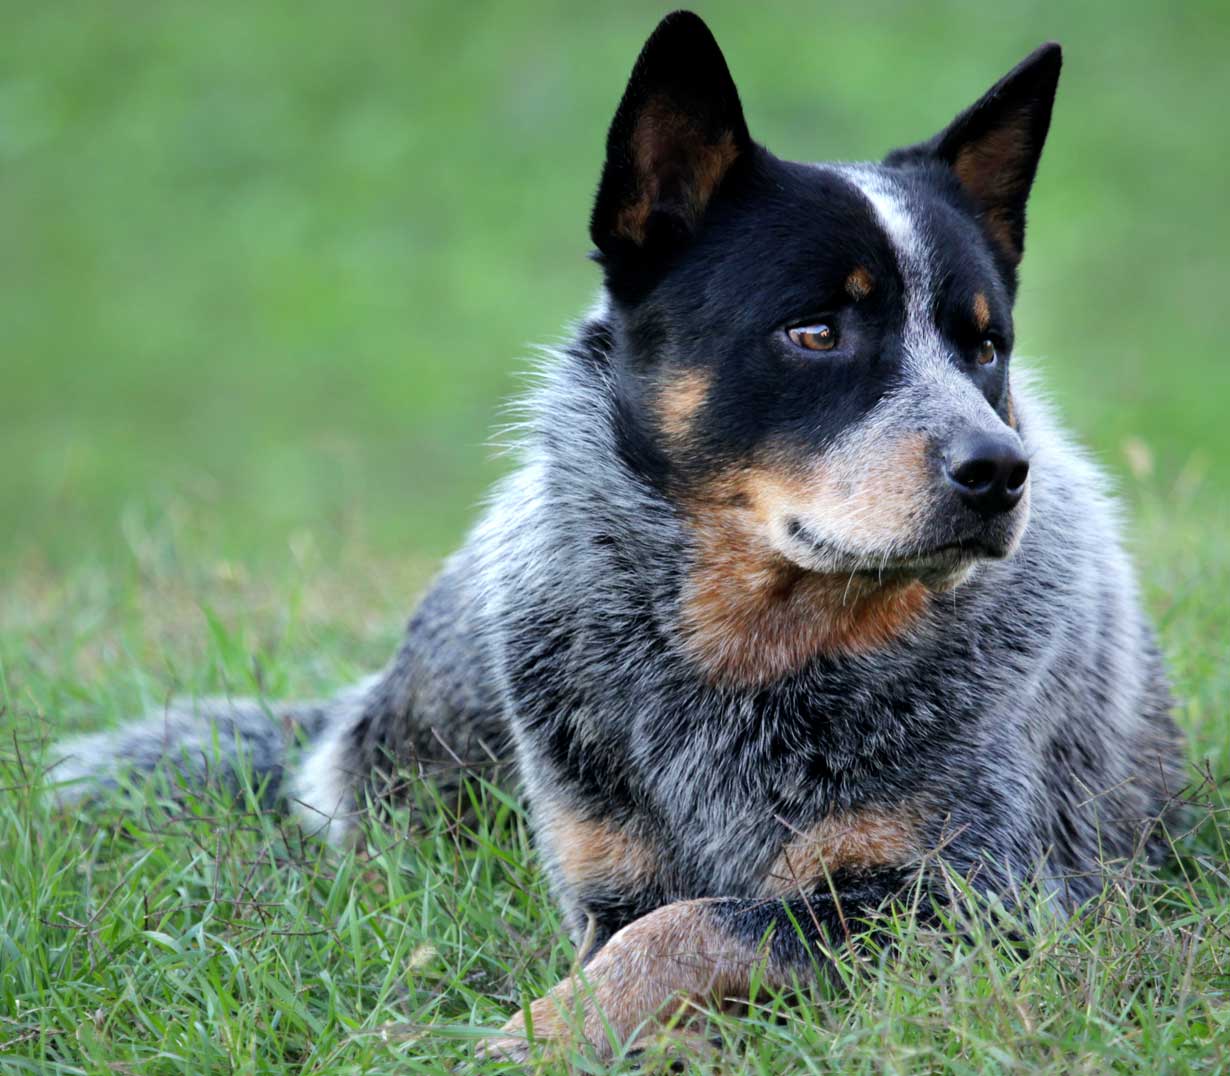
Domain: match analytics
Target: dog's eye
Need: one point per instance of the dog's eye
(817, 337)
(987, 353)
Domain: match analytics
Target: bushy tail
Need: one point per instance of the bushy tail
(196, 744)
(435, 712)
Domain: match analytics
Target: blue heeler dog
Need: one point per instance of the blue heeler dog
(797, 582)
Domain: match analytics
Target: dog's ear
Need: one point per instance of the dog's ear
(993, 147)
(678, 132)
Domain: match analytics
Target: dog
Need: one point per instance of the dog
(800, 595)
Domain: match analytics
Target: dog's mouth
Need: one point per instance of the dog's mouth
(939, 562)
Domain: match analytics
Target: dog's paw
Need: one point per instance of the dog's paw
(549, 1017)
(514, 1042)
(503, 1049)
(648, 974)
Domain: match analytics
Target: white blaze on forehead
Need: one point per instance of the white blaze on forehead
(925, 350)
(928, 364)
(906, 238)
(895, 219)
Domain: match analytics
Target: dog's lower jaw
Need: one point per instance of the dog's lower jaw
(942, 582)
(941, 553)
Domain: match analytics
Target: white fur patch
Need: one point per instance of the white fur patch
(323, 791)
(78, 764)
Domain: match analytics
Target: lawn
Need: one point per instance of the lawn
(269, 272)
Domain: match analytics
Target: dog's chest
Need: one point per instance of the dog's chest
(755, 823)
(750, 801)
(647, 790)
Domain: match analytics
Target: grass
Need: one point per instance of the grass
(267, 271)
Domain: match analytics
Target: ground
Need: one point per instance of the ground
(268, 274)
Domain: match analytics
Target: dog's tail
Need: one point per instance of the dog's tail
(196, 744)
(435, 712)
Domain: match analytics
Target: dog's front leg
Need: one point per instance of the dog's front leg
(689, 952)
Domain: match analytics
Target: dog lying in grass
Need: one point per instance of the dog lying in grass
(799, 598)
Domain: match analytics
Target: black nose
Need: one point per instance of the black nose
(988, 470)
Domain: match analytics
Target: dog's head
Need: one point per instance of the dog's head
(813, 360)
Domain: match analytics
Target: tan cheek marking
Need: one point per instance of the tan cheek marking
(749, 616)
(859, 284)
(588, 850)
(872, 837)
(877, 491)
(676, 954)
(982, 312)
(1011, 412)
(665, 143)
(679, 400)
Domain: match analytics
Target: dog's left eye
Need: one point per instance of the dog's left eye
(987, 353)
(818, 337)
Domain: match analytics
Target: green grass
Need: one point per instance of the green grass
(267, 271)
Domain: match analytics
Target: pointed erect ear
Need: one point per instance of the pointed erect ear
(993, 147)
(678, 131)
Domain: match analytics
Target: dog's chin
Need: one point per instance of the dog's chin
(940, 565)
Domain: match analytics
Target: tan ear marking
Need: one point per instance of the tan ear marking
(982, 170)
(666, 146)
(979, 165)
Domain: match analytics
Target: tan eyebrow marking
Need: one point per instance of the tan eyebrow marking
(859, 283)
(982, 311)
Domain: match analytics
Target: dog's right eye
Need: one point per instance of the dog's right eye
(818, 337)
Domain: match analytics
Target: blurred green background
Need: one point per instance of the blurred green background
(270, 268)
